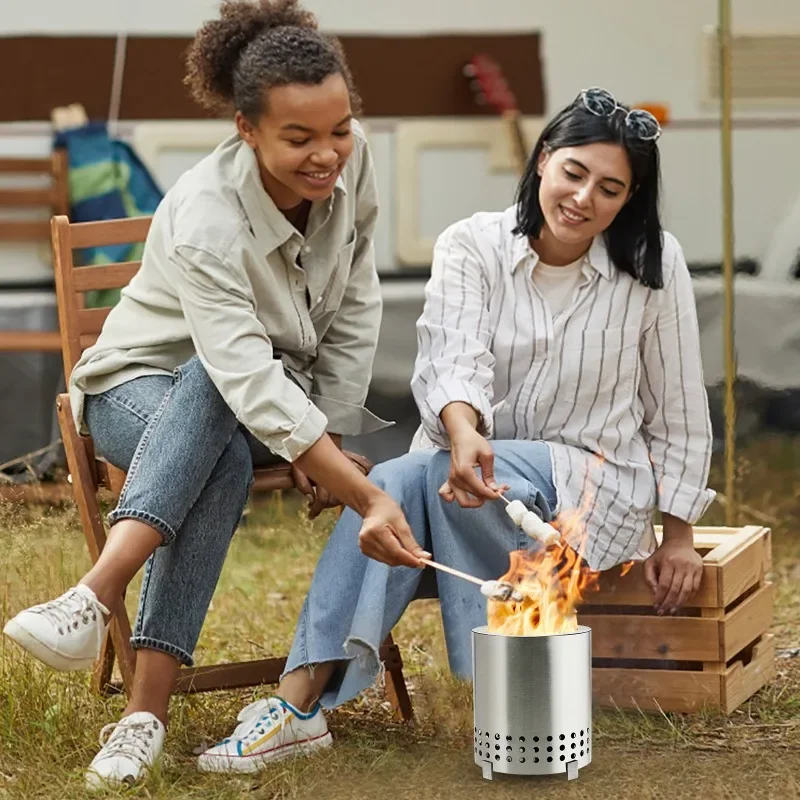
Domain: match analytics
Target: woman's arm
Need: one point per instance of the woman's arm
(385, 534)
(453, 376)
(454, 362)
(677, 428)
(677, 424)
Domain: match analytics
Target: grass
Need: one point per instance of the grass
(49, 722)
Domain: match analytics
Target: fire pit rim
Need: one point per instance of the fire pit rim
(483, 630)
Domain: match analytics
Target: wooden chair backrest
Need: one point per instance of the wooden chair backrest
(80, 326)
(53, 198)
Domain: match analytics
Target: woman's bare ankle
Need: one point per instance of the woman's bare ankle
(303, 687)
(102, 592)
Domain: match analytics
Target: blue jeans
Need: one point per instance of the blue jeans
(354, 602)
(190, 466)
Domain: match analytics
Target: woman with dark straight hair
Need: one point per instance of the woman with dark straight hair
(559, 364)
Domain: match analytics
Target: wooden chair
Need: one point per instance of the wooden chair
(54, 198)
(80, 327)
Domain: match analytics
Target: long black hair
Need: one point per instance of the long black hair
(634, 239)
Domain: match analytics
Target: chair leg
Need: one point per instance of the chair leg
(104, 667)
(85, 489)
(396, 689)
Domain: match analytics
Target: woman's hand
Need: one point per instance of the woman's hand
(468, 449)
(320, 498)
(675, 569)
(386, 536)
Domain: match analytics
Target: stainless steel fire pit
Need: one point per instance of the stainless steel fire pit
(533, 702)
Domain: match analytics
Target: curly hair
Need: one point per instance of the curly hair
(255, 46)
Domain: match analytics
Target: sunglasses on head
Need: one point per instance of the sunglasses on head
(600, 102)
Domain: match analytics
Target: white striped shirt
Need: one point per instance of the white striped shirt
(613, 383)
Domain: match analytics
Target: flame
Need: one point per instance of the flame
(553, 581)
(626, 568)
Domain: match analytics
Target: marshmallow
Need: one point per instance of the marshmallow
(517, 511)
(501, 591)
(536, 528)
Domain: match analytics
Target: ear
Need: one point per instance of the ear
(246, 130)
(544, 157)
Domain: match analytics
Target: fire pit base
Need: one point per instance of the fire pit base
(488, 774)
(532, 702)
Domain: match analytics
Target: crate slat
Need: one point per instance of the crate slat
(706, 537)
(747, 621)
(742, 681)
(631, 589)
(655, 689)
(653, 637)
(685, 691)
(741, 563)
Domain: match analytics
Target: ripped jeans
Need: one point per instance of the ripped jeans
(354, 601)
(190, 466)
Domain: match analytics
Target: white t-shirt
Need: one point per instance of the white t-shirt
(557, 284)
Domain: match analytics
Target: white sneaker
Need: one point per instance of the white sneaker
(129, 749)
(269, 730)
(65, 633)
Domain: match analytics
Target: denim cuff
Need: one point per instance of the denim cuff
(164, 528)
(146, 643)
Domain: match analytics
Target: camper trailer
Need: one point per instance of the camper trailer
(437, 163)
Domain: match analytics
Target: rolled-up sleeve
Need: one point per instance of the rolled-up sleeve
(454, 362)
(343, 368)
(677, 423)
(237, 353)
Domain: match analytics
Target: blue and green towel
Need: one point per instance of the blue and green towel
(106, 181)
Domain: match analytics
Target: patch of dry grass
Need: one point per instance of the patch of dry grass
(49, 722)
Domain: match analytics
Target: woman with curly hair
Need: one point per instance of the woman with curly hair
(247, 338)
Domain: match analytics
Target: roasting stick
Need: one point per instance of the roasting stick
(457, 573)
(496, 590)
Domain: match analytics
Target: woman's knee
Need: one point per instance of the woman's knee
(438, 470)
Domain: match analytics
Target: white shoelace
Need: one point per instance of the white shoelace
(130, 739)
(257, 718)
(70, 610)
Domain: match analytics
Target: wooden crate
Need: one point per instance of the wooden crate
(713, 654)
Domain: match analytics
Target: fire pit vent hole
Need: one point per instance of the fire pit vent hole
(573, 745)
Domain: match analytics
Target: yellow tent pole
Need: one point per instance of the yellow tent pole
(728, 250)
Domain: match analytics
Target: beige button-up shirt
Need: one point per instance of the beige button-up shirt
(220, 278)
(613, 383)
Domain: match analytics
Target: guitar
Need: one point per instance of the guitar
(489, 86)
